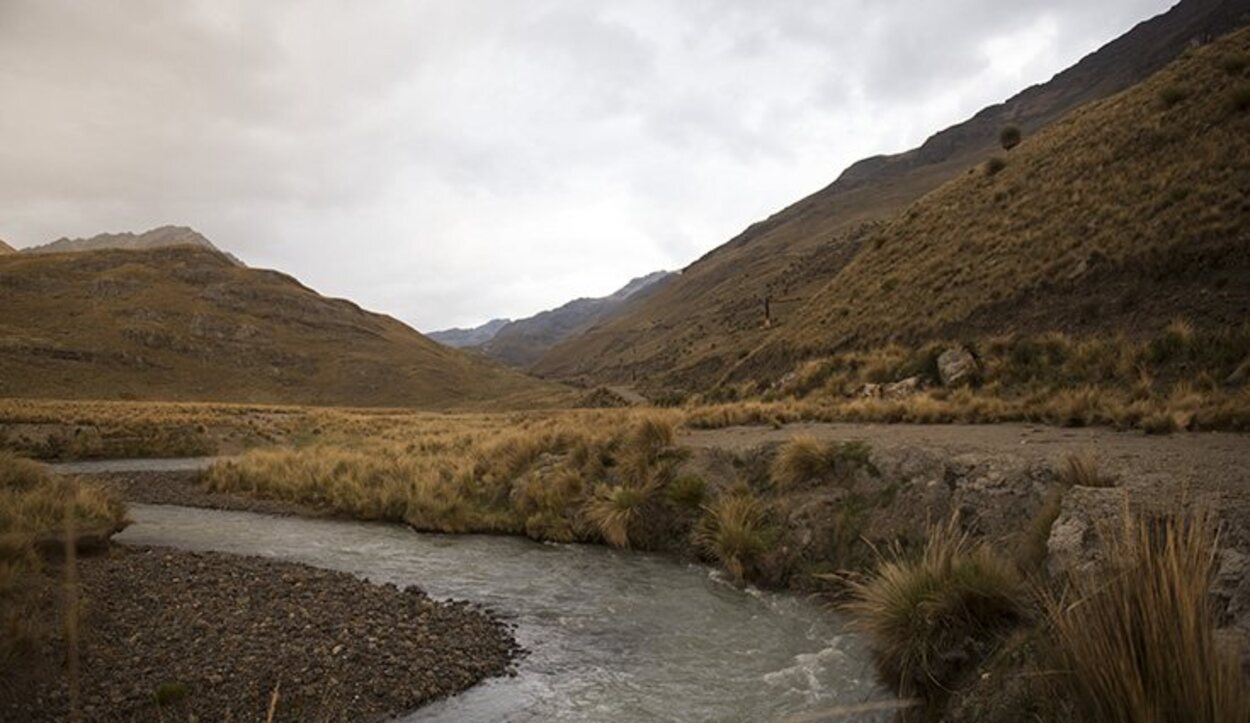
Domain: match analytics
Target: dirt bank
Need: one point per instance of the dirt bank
(214, 635)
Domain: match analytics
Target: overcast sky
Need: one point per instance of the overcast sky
(447, 162)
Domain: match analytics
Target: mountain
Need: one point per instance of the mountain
(458, 338)
(730, 302)
(522, 342)
(1127, 214)
(5, 248)
(186, 323)
(159, 237)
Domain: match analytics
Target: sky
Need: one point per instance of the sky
(451, 162)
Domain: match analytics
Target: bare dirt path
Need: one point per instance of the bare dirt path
(1205, 463)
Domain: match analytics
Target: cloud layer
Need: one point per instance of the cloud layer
(451, 162)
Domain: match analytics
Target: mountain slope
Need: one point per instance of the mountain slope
(458, 338)
(726, 304)
(1125, 215)
(522, 342)
(5, 248)
(156, 238)
(185, 323)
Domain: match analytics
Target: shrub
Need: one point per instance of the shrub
(1009, 137)
(1081, 470)
(1239, 98)
(687, 492)
(930, 619)
(993, 166)
(732, 531)
(1138, 641)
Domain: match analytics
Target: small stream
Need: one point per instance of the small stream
(613, 636)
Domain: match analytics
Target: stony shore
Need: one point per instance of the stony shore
(214, 636)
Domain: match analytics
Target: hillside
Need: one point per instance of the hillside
(522, 342)
(727, 304)
(458, 338)
(1129, 213)
(5, 248)
(185, 323)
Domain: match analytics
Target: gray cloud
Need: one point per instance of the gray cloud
(450, 162)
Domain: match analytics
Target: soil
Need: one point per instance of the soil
(1215, 465)
(214, 636)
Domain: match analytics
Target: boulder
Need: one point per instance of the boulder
(1087, 514)
(956, 366)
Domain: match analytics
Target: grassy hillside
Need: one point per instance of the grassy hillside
(728, 303)
(1129, 213)
(185, 323)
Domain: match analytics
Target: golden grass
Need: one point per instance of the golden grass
(733, 532)
(40, 510)
(929, 619)
(615, 510)
(1081, 470)
(805, 459)
(1138, 641)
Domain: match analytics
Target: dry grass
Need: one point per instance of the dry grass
(217, 331)
(733, 532)
(804, 460)
(1178, 379)
(929, 619)
(40, 510)
(1081, 470)
(615, 511)
(1138, 642)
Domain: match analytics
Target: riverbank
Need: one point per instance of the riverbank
(177, 634)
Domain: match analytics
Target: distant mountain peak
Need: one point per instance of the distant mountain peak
(159, 237)
(458, 338)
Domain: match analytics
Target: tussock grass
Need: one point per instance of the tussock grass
(805, 459)
(687, 492)
(615, 511)
(733, 532)
(1138, 642)
(929, 619)
(37, 508)
(1181, 378)
(1081, 470)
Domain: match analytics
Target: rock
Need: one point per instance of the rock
(1086, 515)
(903, 388)
(956, 366)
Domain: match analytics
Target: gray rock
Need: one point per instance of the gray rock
(1087, 514)
(956, 366)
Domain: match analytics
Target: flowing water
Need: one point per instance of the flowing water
(612, 636)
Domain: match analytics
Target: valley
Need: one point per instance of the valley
(963, 436)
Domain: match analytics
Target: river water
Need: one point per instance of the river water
(612, 635)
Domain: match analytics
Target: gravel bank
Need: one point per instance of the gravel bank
(185, 489)
(217, 634)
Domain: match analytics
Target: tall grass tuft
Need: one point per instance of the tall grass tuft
(733, 532)
(616, 511)
(1081, 470)
(804, 459)
(1138, 642)
(929, 619)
